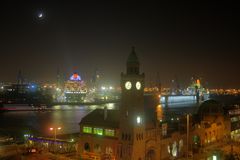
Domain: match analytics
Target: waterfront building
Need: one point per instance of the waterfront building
(234, 115)
(133, 131)
(210, 125)
(138, 131)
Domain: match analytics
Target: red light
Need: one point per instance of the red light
(75, 76)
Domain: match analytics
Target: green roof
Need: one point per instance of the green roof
(96, 118)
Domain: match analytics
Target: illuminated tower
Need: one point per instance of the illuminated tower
(132, 121)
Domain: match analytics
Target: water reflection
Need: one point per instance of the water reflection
(38, 122)
(159, 110)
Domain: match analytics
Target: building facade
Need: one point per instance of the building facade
(131, 133)
(140, 132)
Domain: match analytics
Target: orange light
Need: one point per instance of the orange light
(75, 75)
(198, 82)
(59, 128)
(51, 129)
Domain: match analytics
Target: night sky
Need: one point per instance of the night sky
(171, 39)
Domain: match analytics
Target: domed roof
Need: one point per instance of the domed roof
(210, 107)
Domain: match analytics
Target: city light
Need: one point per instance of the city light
(59, 128)
(214, 157)
(26, 135)
(70, 86)
(40, 15)
(138, 120)
(75, 77)
(55, 131)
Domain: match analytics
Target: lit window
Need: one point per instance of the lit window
(98, 131)
(138, 120)
(87, 129)
(214, 157)
(174, 149)
(109, 132)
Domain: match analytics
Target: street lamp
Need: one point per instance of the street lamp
(55, 135)
(55, 131)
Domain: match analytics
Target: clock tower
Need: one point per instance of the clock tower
(132, 119)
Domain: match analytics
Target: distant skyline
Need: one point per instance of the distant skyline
(172, 39)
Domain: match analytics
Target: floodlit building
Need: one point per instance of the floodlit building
(234, 115)
(141, 132)
(210, 125)
(75, 89)
(133, 132)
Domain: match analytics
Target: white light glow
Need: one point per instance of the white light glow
(214, 157)
(40, 15)
(138, 120)
(128, 85)
(177, 99)
(138, 85)
(174, 149)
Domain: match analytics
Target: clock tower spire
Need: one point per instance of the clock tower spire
(133, 63)
(132, 119)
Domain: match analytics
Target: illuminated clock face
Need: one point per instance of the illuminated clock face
(128, 85)
(138, 85)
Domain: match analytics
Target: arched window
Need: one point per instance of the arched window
(97, 148)
(109, 150)
(180, 145)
